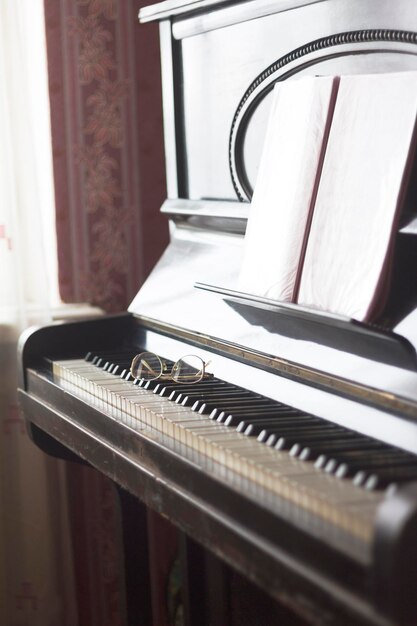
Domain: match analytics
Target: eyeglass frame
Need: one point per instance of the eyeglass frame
(164, 367)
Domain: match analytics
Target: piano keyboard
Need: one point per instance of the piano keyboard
(336, 475)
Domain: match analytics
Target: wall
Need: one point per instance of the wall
(106, 117)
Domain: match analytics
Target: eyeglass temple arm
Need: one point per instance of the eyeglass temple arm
(150, 369)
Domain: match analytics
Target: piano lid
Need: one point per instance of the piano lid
(220, 61)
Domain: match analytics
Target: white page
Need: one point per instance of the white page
(360, 192)
(286, 185)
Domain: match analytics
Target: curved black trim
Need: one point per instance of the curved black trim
(348, 37)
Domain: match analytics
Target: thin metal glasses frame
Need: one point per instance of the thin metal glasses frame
(190, 369)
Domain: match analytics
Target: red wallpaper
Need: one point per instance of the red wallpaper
(104, 78)
(106, 118)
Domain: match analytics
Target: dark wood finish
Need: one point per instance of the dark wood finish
(136, 560)
(206, 586)
(358, 377)
(278, 557)
(192, 558)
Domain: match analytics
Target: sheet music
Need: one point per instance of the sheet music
(286, 186)
(371, 143)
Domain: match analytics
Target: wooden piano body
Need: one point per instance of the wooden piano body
(327, 559)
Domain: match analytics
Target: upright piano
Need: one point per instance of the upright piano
(296, 462)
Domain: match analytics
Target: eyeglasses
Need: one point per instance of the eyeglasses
(188, 370)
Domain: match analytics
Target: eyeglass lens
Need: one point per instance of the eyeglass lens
(189, 369)
(147, 366)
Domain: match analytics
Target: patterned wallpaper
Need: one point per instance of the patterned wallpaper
(104, 76)
(106, 118)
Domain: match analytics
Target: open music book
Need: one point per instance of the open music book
(286, 186)
(329, 192)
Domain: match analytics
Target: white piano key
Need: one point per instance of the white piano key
(264, 470)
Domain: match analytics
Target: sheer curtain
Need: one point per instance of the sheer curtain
(36, 573)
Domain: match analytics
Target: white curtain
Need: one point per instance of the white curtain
(36, 573)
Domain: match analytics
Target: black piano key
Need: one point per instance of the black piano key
(339, 435)
(187, 394)
(209, 403)
(142, 383)
(275, 429)
(270, 440)
(206, 408)
(297, 422)
(360, 477)
(308, 452)
(254, 408)
(388, 462)
(125, 360)
(296, 441)
(100, 358)
(235, 417)
(206, 385)
(288, 425)
(172, 389)
(382, 477)
(384, 455)
(331, 465)
(282, 411)
(387, 477)
(392, 465)
(248, 412)
(108, 364)
(164, 387)
(214, 414)
(254, 429)
(242, 419)
(276, 425)
(116, 367)
(348, 464)
(94, 355)
(270, 436)
(320, 452)
(187, 400)
(240, 396)
(320, 434)
(97, 361)
(260, 403)
(216, 396)
(327, 452)
(119, 369)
